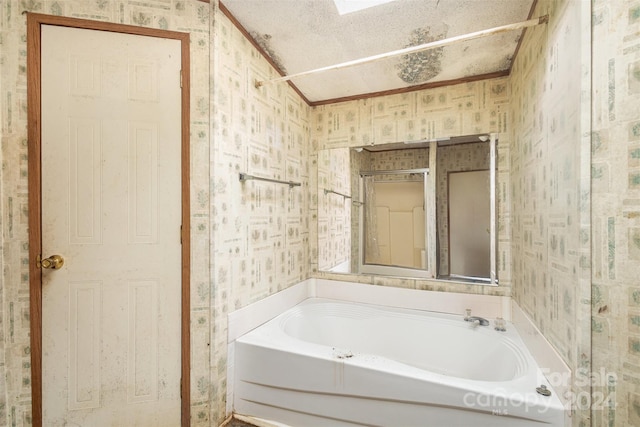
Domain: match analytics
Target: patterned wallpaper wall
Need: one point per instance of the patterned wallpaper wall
(615, 198)
(550, 158)
(334, 211)
(250, 240)
(463, 109)
(413, 158)
(259, 230)
(187, 16)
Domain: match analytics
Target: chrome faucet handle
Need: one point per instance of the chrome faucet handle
(500, 324)
(467, 314)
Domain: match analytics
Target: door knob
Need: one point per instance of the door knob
(54, 262)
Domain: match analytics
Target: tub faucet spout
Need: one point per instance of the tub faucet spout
(481, 320)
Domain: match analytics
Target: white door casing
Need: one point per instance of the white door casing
(111, 207)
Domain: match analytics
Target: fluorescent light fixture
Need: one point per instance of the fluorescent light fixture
(349, 6)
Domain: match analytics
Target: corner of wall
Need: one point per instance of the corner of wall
(550, 181)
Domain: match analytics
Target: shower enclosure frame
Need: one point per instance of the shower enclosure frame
(393, 270)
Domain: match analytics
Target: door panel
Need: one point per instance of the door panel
(469, 224)
(111, 206)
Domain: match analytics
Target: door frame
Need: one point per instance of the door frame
(34, 23)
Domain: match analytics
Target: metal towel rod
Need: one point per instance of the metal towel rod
(247, 177)
(326, 191)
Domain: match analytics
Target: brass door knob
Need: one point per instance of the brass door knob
(54, 262)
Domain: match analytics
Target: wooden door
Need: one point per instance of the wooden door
(112, 208)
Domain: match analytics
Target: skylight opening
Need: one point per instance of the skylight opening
(350, 6)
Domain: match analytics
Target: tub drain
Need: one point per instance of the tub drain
(543, 390)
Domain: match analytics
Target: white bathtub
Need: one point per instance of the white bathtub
(332, 363)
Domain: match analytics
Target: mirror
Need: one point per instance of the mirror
(423, 209)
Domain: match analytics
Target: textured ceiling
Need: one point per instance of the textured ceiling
(301, 35)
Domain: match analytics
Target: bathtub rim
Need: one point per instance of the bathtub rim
(510, 339)
(255, 314)
(283, 342)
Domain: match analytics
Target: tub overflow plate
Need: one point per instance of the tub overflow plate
(543, 390)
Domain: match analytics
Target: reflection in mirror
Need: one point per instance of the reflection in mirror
(393, 222)
(334, 211)
(463, 201)
(469, 223)
(376, 213)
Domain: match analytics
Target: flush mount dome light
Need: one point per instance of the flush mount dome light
(349, 6)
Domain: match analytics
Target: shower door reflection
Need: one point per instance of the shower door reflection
(394, 236)
(469, 224)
